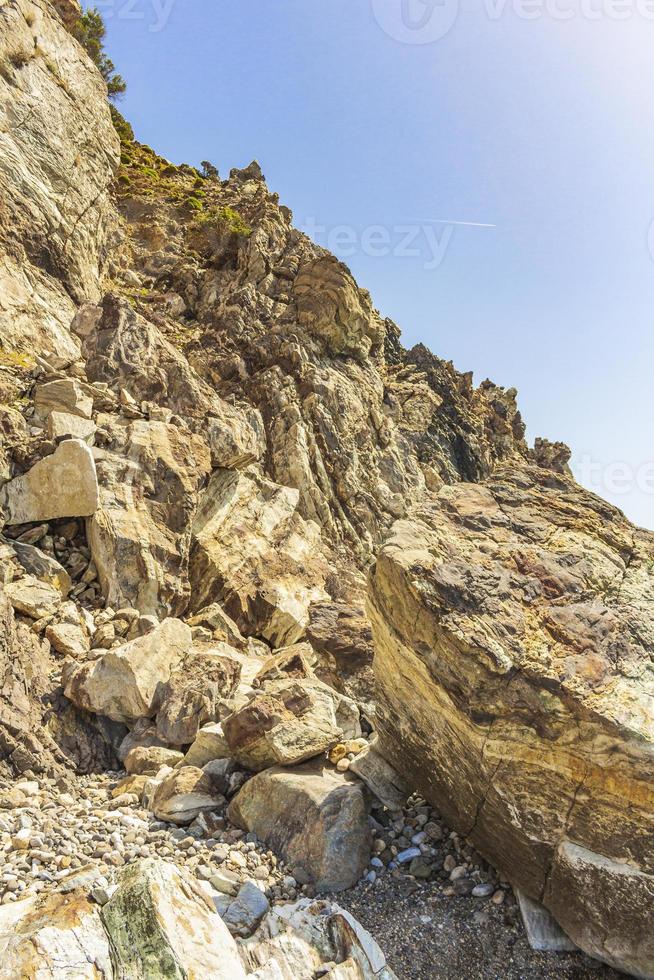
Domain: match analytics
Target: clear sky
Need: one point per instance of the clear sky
(378, 120)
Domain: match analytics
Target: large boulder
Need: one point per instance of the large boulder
(315, 818)
(514, 628)
(190, 698)
(122, 684)
(54, 935)
(289, 722)
(150, 474)
(162, 924)
(253, 553)
(64, 484)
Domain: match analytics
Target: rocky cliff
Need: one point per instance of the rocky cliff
(210, 441)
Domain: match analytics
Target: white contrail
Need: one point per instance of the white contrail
(469, 224)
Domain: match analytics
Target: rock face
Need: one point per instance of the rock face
(254, 553)
(513, 628)
(56, 217)
(122, 684)
(315, 818)
(64, 484)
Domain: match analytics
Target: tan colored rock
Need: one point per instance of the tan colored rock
(381, 778)
(254, 554)
(191, 696)
(150, 475)
(142, 760)
(63, 425)
(122, 683)
(294, 662)
(513, 627)
(288, 723)
(314, 818)
(64, 396)
(142, 735)
(209, 744)
(33, 598)
(69, 639)
(58, 154)
(64, 484)
(182, 795)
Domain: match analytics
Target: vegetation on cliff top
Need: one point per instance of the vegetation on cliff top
(90, 31)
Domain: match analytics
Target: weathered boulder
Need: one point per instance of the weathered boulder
(150, 474)
(254, 554)
(513, 625)
(183, 794)
(314, 818)
(142, 735)
(65, 395)
(122, 683)
(32, 597)
(209, 744)
(63, 425)
(148, 760)
(55, 935)
(340, 633)
(380, 776)
(64, 484)
(289, 722)
(69, 639)
(162, 924)
(190, 697)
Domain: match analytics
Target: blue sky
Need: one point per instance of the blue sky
(377, 120)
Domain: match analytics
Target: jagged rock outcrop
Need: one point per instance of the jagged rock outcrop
(513, 633)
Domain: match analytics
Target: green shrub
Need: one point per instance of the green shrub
(195, 203)
(226, 220)
(121, 126)
(90, 31)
